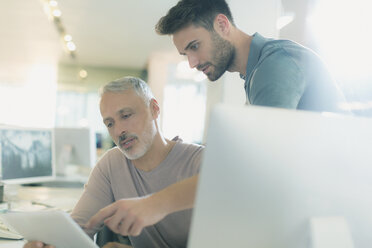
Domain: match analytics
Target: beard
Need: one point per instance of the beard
(223, 54)
(143, 144)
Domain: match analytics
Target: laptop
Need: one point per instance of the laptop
(276, 178)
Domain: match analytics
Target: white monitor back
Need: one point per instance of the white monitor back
(268, 172)
(74, 146)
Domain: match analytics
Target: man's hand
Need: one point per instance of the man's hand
(116, 245)
(129, 216)
(39, 244)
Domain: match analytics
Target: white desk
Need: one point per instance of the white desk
(11, 244)
(21, 197)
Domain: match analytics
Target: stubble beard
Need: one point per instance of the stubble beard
(144, 144)
(223, 54)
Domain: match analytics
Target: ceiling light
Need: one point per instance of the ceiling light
(83, 73)
(53, 3)
(67, 38)
(54, 14)
(71, 46)
(57, 13)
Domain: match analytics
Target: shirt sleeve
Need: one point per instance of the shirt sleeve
(196, 160)
(277, 82)
(96, 195)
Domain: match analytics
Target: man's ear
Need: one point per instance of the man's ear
(222, 25)
(155, 109)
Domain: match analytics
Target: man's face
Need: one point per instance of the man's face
(129, 121)
(207, 51)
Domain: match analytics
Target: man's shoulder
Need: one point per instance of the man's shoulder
(183, 150)
(187, 156)
(189, 146)
(285, 49)
(112, 152)
(111, 156)
(280, 56)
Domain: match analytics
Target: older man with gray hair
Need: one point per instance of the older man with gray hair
(144, 187)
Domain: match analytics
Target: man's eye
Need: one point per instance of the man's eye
(126, 116)
(194, 46)
(109, 124)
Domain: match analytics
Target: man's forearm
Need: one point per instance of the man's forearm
(178, 196)
(148, 210)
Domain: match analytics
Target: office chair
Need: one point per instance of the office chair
(105, 235)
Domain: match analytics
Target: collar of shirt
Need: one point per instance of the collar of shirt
(255, 48)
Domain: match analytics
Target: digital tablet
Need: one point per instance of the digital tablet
(51, 227)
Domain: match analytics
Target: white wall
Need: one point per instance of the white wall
(158, 73)
(250, 17)
(30, 101)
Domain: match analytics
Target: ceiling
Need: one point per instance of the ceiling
(115, 33)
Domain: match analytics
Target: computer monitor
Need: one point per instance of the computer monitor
(26, 155)
(74, 146)
(275, 178)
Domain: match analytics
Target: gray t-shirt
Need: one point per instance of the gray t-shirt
(282, 73)
(115, 177)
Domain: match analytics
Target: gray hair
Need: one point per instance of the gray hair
(127, 83)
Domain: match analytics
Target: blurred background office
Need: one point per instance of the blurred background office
(54, 56)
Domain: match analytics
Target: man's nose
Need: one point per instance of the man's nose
(193, 61)
(120, 130)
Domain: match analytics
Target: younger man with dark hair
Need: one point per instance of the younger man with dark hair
(277, 73)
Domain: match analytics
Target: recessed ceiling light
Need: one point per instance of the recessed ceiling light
(71, 46)
(57, 13)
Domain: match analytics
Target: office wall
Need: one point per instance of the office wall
(250, 17)
(68, 77)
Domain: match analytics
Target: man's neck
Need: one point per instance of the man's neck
(242, 43)
(156, 154)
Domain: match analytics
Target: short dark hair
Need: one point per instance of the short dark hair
(200, 13)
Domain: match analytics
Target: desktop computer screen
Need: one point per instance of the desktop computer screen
(74, 146)
(26, 155)
(275, 178)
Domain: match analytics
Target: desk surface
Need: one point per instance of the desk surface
(11, 244)
(62, 198)
(21, 198)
